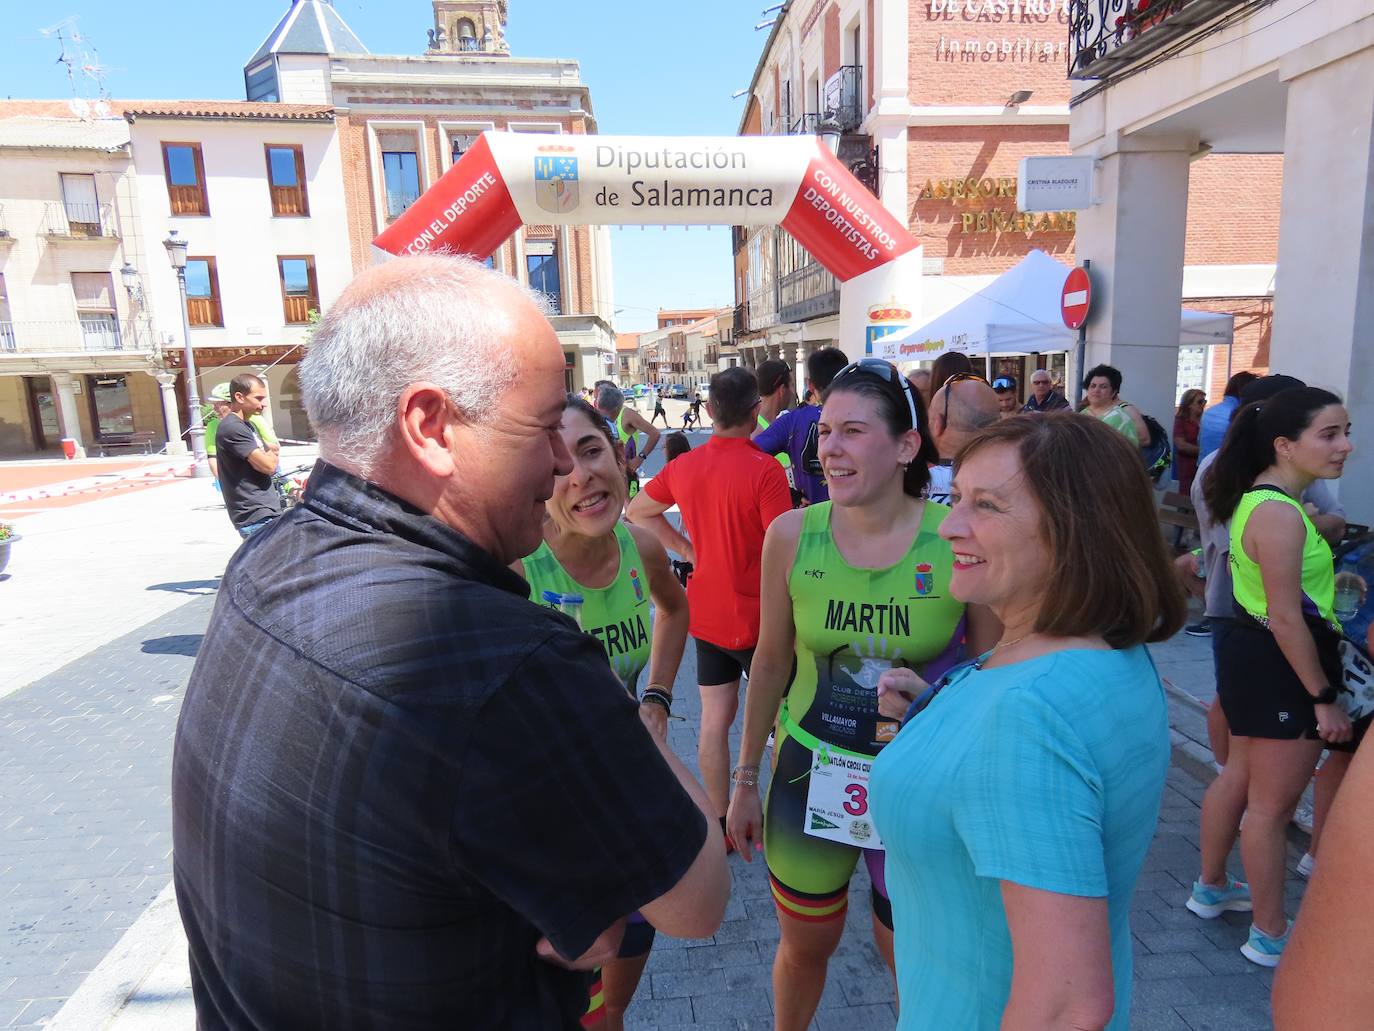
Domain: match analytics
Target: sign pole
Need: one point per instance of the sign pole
(1082, 351)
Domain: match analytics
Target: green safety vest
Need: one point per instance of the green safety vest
(1318, 573)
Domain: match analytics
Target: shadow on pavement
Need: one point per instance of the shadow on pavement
(173, 644)
(195, 588)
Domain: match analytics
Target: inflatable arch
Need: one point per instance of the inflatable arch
(506, 180)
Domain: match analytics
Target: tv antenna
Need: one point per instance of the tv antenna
(85, 74)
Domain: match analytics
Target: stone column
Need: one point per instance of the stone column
(166, 381)
(887, 122)
(65, 385)
(1324, 293)
(1134, 237)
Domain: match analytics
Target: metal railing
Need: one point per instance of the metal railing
(85, 333)
(741, 320)
(467, 44)
(5, 235)
(806, 125)
(1108, 36)
(844, 96)
(79, 221)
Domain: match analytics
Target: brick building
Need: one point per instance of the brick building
(403, 120)
(937, 101)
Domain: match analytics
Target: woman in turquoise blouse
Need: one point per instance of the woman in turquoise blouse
(1020, 798)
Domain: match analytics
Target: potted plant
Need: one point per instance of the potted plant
(7, 537)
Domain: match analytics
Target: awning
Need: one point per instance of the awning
(1017, 313)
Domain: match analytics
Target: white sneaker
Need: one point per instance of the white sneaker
(1305, 864)
(1303, 816)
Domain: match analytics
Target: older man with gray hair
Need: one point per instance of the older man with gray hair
(403, 795)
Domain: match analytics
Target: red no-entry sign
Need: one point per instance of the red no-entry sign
(1076, 298)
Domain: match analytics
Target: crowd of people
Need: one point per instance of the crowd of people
(422, 775)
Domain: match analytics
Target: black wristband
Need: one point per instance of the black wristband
(1328, 696)
(655, 696)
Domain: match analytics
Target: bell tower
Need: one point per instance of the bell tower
(469, 27)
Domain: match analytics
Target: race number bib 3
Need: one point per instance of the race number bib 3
(837, 799)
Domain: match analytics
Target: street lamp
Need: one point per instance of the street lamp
(176, 253)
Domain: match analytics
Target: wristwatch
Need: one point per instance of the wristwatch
(1327, 696)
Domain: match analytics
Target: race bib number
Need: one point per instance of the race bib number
(837, 806)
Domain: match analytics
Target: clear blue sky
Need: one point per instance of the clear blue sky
(652, 68)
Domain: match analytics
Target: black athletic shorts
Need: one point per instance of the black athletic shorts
(716, 665)
(1260, 693)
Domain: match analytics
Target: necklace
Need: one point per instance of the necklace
(998, 647)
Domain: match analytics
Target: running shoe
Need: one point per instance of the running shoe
(1203, 629)
(1302, 816)
(1305, 865)
(1264, 949)
(1209, 902)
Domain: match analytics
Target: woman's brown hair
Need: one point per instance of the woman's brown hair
(1110, 573)
(1185, 402)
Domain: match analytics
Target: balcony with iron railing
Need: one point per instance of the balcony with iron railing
(1107, 37)
(844, 96)
(72, 221)
(806, 125)
(84, 334)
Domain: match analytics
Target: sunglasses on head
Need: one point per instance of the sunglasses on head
(884, 370)
(1002, 383)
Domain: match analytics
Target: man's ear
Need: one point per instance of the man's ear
(425, 427)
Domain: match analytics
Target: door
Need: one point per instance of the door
(42, 412)
(111, 410)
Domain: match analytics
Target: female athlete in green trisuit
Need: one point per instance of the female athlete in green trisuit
(604, 572)
(851, 587)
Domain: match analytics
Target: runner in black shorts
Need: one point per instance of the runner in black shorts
(1279, 670)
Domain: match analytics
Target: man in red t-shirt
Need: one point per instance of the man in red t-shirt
(728, 491)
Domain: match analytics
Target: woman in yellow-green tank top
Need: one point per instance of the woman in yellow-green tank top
(851, 588)
(1279, 668)
(604, 574)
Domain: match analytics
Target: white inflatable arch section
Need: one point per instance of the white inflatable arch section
(507, 180)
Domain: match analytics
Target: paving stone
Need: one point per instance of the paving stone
(857, 1018)
(652, 1013)
(745, 1002)
(1226, 1017)
(1157, 1020)
(1171, 940)
(684, 983)
(1169, 964)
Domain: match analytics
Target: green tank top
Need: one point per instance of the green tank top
(617, 616)
(852, 624)
(783, 458)
(1318, 573)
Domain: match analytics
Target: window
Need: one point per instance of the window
(299, 293)
(461, 142)
(95, 310)
(401, 170)
(185, 178)
(286, 180)
(81, 204)
(541, 262)
(262, 83)
(202, 293)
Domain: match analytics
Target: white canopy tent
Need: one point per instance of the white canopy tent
(1018, 313)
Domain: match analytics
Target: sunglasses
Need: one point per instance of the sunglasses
(1002, 383)
(884, 370)
(958, 377)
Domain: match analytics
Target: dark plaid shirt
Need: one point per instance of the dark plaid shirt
(393, 773)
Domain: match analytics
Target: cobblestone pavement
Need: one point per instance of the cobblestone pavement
(85, 840)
